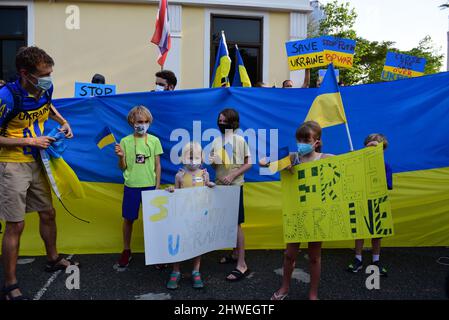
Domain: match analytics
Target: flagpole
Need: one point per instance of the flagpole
(349, 137)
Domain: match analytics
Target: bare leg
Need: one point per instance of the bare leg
(376, 246)
(241, 264)
(127, 232)
(176, 267)
(358, 246)
(290, 255)
(47, 229)
(10, 253)
(196, 263)
(315, 268)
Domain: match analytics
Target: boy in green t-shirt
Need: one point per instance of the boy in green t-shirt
(139, 159)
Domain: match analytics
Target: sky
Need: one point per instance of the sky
(405, 22)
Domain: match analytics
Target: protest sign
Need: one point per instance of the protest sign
(337, 198)
(189, 222)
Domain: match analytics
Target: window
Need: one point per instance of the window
(247, 33)
(13, 35)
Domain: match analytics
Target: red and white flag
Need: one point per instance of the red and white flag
(161, 36)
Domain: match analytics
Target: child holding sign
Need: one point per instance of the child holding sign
(371, 141)
(190, 176)
(138, 156)
(308, 137)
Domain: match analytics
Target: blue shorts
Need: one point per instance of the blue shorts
(132, 198)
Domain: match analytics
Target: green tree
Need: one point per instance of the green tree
(370, 56)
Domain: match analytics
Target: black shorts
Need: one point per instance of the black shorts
(241, 208)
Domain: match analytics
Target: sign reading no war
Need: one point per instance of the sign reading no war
(189, 222)
(305, 54)
(85, 90)
(339, 51)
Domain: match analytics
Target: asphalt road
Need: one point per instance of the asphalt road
(413, 274)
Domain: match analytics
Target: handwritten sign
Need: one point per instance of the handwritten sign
(305, 54)
(339, 51)
(337, 198)
(322, 73)
(189, 222)
(400, 66)
(85, 90)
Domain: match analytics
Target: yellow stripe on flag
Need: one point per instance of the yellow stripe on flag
(109, 139)
(327, 109)
(222, 72)
(403, 72)
(279, 165)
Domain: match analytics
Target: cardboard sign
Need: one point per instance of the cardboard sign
(322, 73)
(339, 51)
(400, 66)
(305, 54)
(189, 222)
(85, 90)
(337, 198)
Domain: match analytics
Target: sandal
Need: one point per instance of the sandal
(238, 275)
(172, 283)
(277, 296)
(197, 283)
(55, 265)
(228, 259)
(7, 293)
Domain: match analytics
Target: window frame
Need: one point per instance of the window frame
(265, 49)
(259, 45)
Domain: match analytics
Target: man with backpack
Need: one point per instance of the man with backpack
(25, 105)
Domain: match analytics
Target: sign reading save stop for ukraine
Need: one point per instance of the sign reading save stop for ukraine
(305, 54)
(319, 52)
(400, 66)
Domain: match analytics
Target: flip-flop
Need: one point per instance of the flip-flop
(227, 259)
(277, 296)
(238, 275)
(55, 265)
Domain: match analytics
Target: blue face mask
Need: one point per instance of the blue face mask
(304, 149)
(43, 83)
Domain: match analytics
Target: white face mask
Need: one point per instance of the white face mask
(159, 88)
(141, 128)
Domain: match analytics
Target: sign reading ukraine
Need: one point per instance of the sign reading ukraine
(400, 66)
(337, 198)
(339, 51)
(305, 54)
(189, 222)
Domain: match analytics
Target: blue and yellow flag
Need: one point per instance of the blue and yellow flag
(282, 162)
(241, 78)
(105, 138)
(327, 108)
(222, 65)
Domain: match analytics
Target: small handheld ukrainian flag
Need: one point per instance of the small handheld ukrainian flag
(282, 162)
(241, 78)
(327, 108)
(105, 138)
(222, 65)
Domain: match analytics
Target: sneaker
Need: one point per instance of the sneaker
(173, 281)
(356, 266)
(197, 283)
(382, 270)
(125, 259)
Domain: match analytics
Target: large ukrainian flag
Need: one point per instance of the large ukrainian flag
(241, 78)
(406, 111)
(222, 65)
(327, 108)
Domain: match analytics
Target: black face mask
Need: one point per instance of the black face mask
(224, 127)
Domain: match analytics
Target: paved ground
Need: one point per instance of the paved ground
(413, 274)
